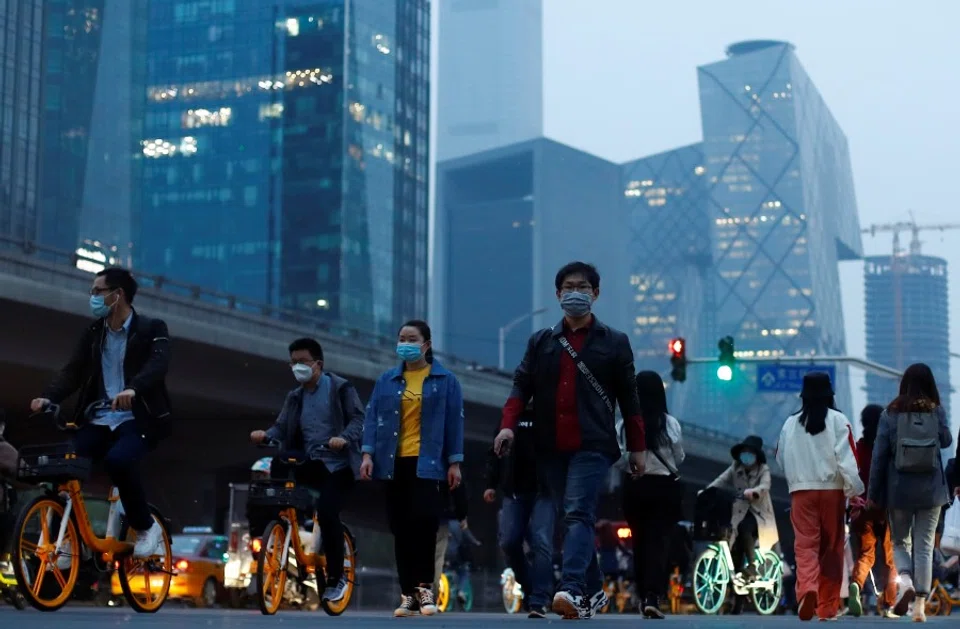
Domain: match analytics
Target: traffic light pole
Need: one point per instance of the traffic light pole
(866, 365)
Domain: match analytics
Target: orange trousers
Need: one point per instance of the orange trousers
(817, 518)
(873, 533)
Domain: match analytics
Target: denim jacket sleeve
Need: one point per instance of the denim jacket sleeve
(453, 422)
(369, 442)
(279, 429)
(882, 447)
(353, 414)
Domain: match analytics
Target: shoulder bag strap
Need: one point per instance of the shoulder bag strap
(586, 373)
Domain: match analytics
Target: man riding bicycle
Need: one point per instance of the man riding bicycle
(323, 418)
(122, 357)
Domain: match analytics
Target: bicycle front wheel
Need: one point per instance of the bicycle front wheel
(710, 579)
(46, 578)
(271, 574)
(443, 596)
(145, 581)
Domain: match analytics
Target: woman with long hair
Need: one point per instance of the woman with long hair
(413, 441)
(818, 456)
(652, 502)
(869, 527)
(907, 477)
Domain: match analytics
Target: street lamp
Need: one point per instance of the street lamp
(506, 329)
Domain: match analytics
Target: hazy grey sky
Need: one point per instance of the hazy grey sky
(621, 83)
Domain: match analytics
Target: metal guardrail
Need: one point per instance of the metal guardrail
(160, 287)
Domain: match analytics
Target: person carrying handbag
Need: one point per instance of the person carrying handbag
(575, 372)
(652, 502)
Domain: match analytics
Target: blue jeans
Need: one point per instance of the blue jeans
(531, 518)
(573, 482)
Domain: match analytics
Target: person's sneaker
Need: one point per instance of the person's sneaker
(905, 595)
(590, 607)
(807, 608)
(148, 541)
(408, 607)
(651, 609)
(854, 604)
(920, 609)
(428, 607)
(335, 592)
(567, 605)
(65, 558)
(537, 611)
(889, 614)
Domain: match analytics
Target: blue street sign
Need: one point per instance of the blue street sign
(779, 378)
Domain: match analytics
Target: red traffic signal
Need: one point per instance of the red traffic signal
(677, 347)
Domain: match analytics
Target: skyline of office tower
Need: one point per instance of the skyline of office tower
(672, 287)
(511, 218)
(286, 154)
(784, 212)
(907, 320)
(489, 74)
(93, 66)
(21, 37)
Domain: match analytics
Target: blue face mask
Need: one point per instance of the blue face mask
(576, 304)
(748, 458)
(98, 306)
(410, 352)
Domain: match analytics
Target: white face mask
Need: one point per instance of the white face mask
(303, 373)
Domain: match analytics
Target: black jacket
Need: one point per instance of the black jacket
(609, 357)
(144, 370)
(515, 474)
(453, 503)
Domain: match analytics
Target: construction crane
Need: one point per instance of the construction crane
(898, 263)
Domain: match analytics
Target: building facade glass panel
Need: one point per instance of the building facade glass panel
(285, 154)
(21, 37)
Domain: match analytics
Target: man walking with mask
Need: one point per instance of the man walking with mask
(323, 419)
(575, 373)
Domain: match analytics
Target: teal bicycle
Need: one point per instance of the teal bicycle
(714, 576)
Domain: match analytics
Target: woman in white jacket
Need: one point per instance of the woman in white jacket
(817, 453)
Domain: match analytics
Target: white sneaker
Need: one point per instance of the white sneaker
(64, 559)
(567, 605)
(590, 607)
(920, 609)
(905, 595)
(148, 542)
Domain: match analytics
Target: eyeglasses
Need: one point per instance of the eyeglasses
(582, 287)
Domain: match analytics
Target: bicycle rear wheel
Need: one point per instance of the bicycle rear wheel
(46, 579)
(271, 575)
(145, 581)
(335, 608)
(767, 600)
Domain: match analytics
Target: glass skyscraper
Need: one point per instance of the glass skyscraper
(21, 36)
(908, 320)
(285, 153)
(93, 66)
(511, 218)
(778, 214)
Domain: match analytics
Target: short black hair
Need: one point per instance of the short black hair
(588, 271)
(116, 277)
(309, 344)
(424, 330)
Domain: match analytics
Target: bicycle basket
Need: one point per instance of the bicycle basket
(279, 494)
(52, 463)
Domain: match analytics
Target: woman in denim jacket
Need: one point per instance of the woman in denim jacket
(413, 441)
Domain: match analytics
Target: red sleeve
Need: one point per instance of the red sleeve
(511, 414)
(636, 439)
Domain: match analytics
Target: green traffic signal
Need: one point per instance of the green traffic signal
(727, 359)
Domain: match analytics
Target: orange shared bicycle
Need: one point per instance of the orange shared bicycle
(53, 534)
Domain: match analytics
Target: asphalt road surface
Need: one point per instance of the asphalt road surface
(173, 618)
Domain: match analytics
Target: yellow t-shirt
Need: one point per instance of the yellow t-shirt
(411, 405)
